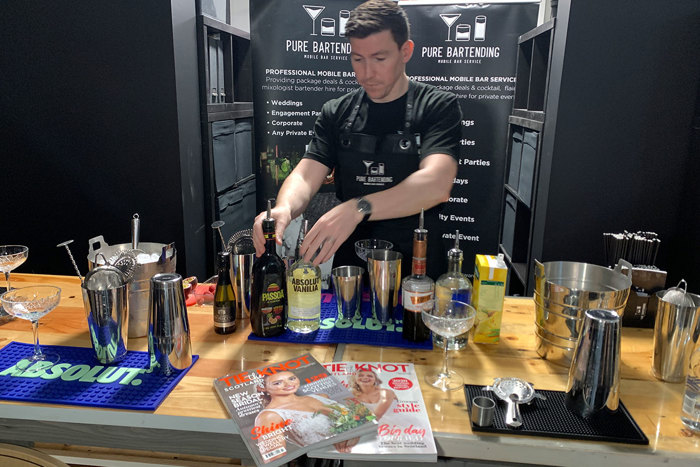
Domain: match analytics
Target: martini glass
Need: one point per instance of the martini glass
(453, 319)
(11, 256)
(313, 11)
(32, 303)
(449, 19)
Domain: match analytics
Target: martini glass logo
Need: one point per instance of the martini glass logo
(463, 32)
(313, 11)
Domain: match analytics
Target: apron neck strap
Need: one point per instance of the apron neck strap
(357, 102)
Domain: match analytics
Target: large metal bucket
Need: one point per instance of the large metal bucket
(564, 291)
(140, 284)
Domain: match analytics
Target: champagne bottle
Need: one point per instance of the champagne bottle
(417, 288)
(224, 297)
(268, 295)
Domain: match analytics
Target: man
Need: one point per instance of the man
(393, 144)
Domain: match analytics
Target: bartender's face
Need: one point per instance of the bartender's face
(380, 64)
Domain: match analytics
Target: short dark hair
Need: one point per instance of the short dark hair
(376, 16)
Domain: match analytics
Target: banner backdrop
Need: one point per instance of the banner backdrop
(301, 60)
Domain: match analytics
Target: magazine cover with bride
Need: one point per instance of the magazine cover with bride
(392, 392)
(285, 409)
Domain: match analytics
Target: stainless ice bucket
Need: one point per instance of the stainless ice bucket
(564, 291)
(140, 283)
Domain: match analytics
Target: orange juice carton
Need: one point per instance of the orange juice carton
(490, 274)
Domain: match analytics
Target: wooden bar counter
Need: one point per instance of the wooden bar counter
(192, 421)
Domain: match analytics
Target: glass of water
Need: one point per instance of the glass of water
(451, 320)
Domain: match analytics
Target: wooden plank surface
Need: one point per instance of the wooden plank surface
(655, 405)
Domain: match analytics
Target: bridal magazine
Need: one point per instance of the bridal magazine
(392, 392)
(285, 409)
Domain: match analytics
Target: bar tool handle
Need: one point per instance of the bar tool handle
(513, 417)
(135, 231)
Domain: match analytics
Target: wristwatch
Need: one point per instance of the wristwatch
(364, 207)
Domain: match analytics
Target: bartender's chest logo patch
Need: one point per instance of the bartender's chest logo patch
(375, 174)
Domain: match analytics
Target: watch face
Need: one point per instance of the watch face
(363, 206)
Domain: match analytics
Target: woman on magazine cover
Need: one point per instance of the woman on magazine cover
(366, 387)
(308, 414)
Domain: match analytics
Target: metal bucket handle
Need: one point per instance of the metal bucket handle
(99, 240)
(164, 253)
(621, 262)
(539, 269)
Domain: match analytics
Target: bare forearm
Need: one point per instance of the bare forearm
(425, 188)
(300, 186)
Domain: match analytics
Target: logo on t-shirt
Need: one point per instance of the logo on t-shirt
(374, 174)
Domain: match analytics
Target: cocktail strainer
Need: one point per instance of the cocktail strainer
(514, 391)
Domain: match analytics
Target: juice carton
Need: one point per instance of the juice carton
(490, 274)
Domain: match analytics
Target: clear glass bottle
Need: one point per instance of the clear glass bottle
(268, 298)
(690, 412)
(453, 285)
(417, 289)
(304, 292)
(224, 297)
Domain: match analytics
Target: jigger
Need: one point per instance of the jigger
(169, 343)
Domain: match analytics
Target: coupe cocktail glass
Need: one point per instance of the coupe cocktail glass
(362, 247)
(449, 19)
(313, 11)
(449, 321)
(32, 303)
(11, 256)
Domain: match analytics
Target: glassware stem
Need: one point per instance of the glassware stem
(37, 349)
(7, 279)
(445, 372)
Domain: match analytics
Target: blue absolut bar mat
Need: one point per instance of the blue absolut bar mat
(78, 379)
(551, 418)
(362, 332)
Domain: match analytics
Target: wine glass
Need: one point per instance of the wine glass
(11, 256)
(453, 319)
(31, 303)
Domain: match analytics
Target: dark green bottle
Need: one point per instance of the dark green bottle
(224, 298)
(268, 307)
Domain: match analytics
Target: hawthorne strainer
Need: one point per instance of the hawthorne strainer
(514, 391)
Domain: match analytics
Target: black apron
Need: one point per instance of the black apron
(367, 164)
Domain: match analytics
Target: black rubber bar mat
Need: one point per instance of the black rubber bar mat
(551, 418)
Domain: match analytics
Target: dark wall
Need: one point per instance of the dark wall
(89, 127)
(621, 151)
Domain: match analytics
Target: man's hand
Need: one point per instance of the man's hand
(330, 231)
(282, 216)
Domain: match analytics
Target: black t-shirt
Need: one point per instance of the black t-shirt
(436, 117)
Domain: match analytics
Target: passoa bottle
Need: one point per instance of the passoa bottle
(417, 289)
(224, 297)
(268, 301)
(453, 285)
(304, 292)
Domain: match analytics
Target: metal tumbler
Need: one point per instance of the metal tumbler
(676, 333)
(594, 375)
(105, 299)
(384, 268)
(347, 284)
(168, 329)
